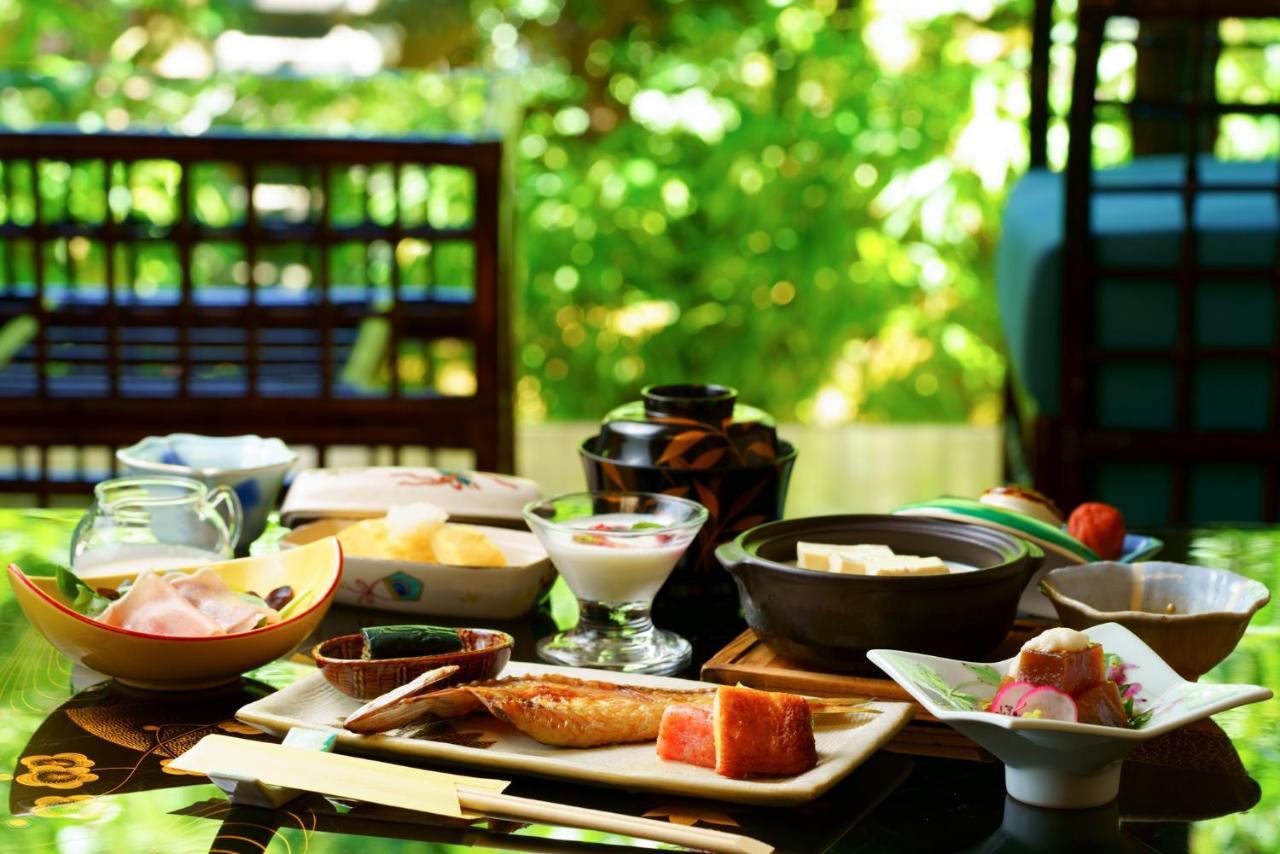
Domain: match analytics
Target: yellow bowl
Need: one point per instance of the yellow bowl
(158, 662)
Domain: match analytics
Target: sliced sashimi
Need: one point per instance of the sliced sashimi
(1101, 704)
(206, 591)
(687, 735)
(153, 606)
(762, 732)
(1048, 704)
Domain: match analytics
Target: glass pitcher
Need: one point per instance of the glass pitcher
(155, 523)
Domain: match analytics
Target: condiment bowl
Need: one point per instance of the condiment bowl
(1192, 616)
(160, 662)
(1059, 764)
(828, 621)
(251, 465)
(483, 655)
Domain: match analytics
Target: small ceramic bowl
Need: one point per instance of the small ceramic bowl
(827, 621)
(251, 465)
(483, 655)
(1058, 764)
(1060, 548)
(1192, 616)
(158, 662)
(437, 589)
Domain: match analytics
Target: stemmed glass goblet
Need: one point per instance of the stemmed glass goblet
(615, 550)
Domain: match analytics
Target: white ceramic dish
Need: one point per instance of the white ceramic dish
(1054, 763)
(495, 593)
(251, 465)
(362, 493)
(843, 741)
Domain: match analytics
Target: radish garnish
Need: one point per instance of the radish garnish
(1006, 699)
(1047, 704)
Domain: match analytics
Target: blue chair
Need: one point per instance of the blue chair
(1140, 302)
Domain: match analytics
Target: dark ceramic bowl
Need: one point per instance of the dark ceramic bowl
(736, 499)
(828, 621)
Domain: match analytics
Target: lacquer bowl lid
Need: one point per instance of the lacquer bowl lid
(687, 426)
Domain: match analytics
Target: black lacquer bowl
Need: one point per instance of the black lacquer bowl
(695, 441)
(828, 621)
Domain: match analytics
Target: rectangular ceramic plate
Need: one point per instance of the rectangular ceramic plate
(844, 741)
(364, 492)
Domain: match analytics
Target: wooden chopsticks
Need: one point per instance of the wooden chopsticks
(546, 812)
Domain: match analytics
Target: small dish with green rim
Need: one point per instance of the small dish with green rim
(1061, 549)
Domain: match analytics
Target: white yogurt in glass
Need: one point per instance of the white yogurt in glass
(615, 566)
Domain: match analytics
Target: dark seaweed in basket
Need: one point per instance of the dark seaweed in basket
(408, 641)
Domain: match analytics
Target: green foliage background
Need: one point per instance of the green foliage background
(777, 195)
(797, 197)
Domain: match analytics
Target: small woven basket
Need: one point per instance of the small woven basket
(483, 655)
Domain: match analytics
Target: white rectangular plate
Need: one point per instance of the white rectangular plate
(372, 490)
(844, 741)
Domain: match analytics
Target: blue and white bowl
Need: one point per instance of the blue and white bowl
(251, 465)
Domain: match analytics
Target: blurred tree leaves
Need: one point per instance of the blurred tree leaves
(800, 199)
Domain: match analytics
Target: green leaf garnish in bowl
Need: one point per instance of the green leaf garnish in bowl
(82, 598)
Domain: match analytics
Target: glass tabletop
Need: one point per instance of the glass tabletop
(85, 763)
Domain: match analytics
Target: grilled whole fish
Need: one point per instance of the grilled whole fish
(388, 711)
(575, 713)
(556, 710)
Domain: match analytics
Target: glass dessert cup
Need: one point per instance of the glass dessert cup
(615, 550)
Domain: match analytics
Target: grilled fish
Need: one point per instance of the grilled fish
(557, 710)
(577, 713)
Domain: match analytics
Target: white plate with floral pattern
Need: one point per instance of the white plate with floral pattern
(1059, 764)
(440, 589)
(363, 493)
